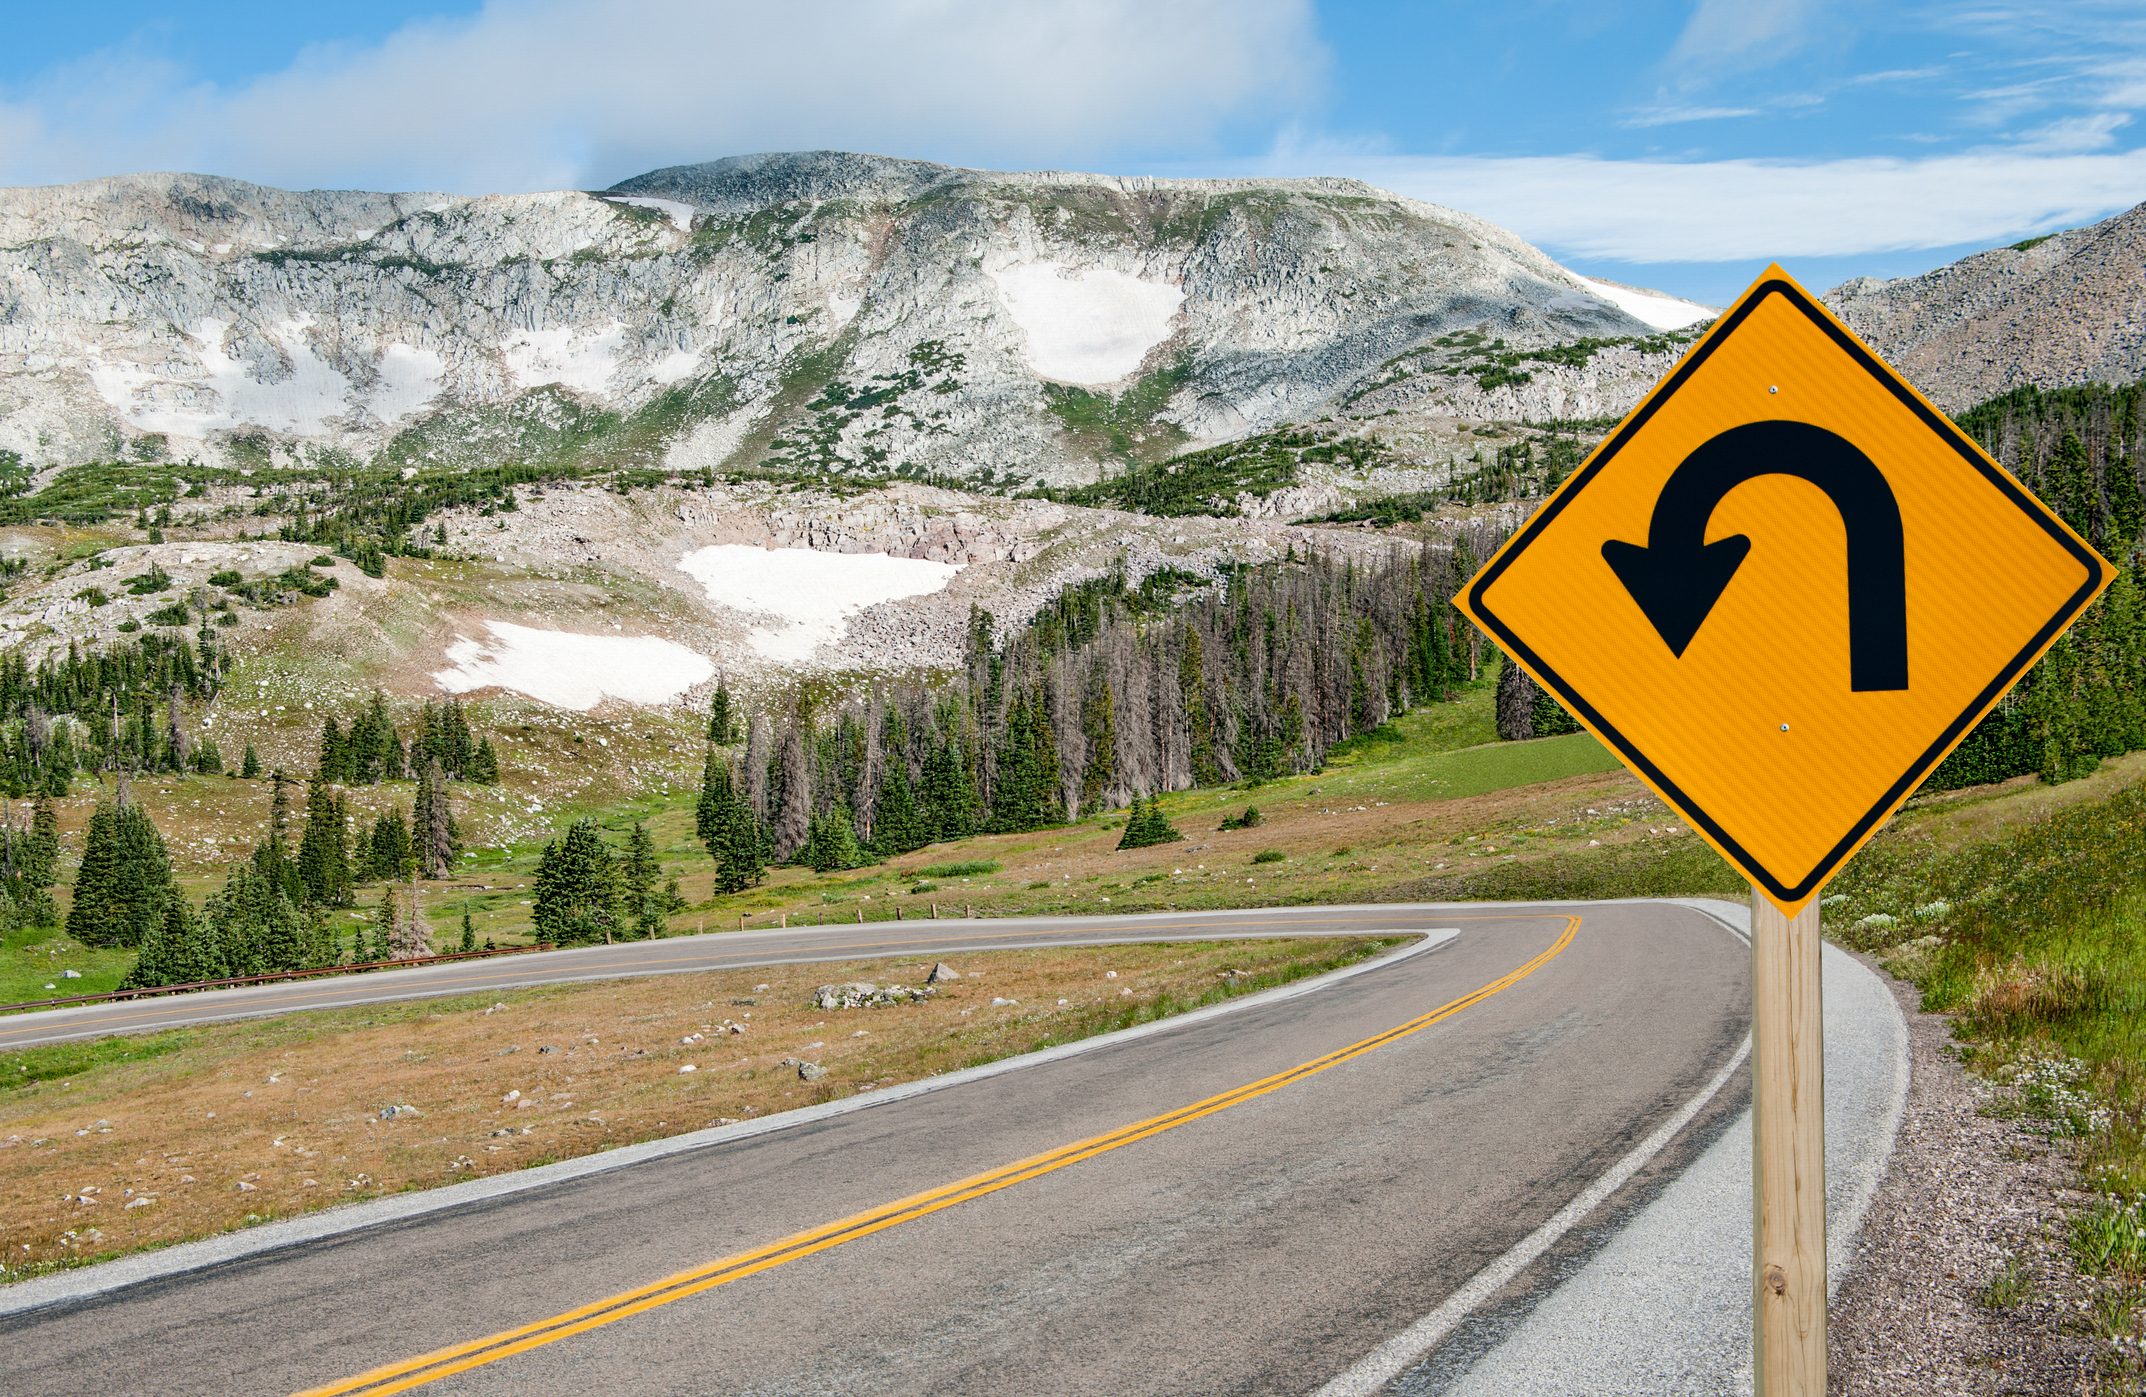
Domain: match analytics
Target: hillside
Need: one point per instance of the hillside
(809, 314)
(2050, 312)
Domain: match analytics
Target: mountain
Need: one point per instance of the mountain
(810, 314)
(2055, 312)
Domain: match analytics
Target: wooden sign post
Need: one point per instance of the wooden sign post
(1785, 571)
(1788, 1154)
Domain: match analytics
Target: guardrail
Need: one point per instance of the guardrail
(150, 991)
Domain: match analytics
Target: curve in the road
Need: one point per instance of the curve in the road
(1264, 1244)
(733, 950)
(426, 1368)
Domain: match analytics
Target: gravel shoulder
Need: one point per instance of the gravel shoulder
(1960, 1281)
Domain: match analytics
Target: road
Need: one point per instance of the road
(1245, 1203)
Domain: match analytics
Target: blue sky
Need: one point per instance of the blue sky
(1680, 145)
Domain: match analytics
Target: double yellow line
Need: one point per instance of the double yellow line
(459, 1358)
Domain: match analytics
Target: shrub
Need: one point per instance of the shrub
(966, 868)
(1148, 826)
(1250, 819)
(225, 577)
(1268, 856)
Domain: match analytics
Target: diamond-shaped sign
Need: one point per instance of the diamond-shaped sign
(1784, 588)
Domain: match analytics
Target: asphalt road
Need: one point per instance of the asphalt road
(676, 955)
(1247, 1203)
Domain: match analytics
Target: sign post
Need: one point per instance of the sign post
(1788, 1154)
(1781, 591)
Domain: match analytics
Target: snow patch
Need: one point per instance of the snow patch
(583, 360)
(809, 596)
(1649, 307)
(681, 215)
(674, 367)
(569, 670)
(300, 401)
(1089, 326)
(409, 379)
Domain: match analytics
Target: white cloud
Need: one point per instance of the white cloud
(1752, 210)
(1734, 31)
(531, 94)
(1673, 115)
(2073, 134)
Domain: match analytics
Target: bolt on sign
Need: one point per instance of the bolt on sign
(1784, 588)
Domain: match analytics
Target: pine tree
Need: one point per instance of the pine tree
(1148, 826)
(256, 929)
(469, 932)
(716, 794)
(1099, 728)
(386, 923)
(272, 856)
(722, 721)
(124, 881)
(831, 844)
(897, 824)
(249, 767)
(388, 854)
(333, 761)
(484, 764)
(432, 823)
(576, 888)
(173, 953)
(640, 874)
(324, 851)
(949, 791)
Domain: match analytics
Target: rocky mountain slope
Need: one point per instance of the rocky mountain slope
(2056, 311)
(809, 314)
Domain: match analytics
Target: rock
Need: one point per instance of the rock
(810, 1071)
(399, 1111)
(685, 1067)
(862, 994)
(941, 973)
(70, 974)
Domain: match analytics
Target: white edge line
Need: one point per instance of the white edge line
(1401, 1352)
(105, 1278)
(1404, 1350)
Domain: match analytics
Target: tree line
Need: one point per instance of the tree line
(1114, 691)
(2080, 450)
(111, 708)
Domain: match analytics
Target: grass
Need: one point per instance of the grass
(303, 1110)
(2019, 910)
(2009, 1288)
(960, 868)
(34, 962)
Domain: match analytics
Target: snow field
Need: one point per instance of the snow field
(1092, 326)
(808, 596)
(569, 670)
(1649, 307)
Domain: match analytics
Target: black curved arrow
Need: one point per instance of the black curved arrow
(1677, 576)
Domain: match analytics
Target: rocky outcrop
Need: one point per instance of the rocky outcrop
(2053, 312)
(819, 313)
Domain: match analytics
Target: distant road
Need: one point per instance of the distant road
(1244, 1203)
(729, 950)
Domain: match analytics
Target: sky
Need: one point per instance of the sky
(1675, 145)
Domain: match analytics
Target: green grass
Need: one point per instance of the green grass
(960, 868)
(34, 957)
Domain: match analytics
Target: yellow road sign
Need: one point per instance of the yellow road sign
(1784, 588)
